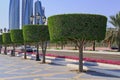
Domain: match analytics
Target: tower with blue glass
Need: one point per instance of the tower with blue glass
(14, 12)
(39, 10)
(27, 11)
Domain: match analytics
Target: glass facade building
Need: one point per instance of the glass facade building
(27, 11)
(39, 10)
(14, 14)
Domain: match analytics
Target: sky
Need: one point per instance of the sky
(53, 7)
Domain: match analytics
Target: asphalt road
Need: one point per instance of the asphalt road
(86, 55)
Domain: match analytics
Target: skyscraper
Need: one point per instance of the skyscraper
(39, 10)
(27, 11)
(14, 12)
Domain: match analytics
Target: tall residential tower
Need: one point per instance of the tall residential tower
(14, 12)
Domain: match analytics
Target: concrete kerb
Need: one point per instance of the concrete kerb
(92, 63)
(90, 68)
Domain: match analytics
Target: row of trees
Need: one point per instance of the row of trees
(30, 34)
(78, 28)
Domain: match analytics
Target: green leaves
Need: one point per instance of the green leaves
(16, 36)
(35, 33)
(6, 38)
(77, 26)
(115, 20)
(31, 33)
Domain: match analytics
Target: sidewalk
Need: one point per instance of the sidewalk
(16, 68)
(108, 69)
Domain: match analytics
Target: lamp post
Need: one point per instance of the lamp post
(31, 19)
(5, 30)
(38, 17)
(43, 19)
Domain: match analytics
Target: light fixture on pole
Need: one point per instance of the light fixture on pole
(43, 19)
(31, 19)
(38, 17)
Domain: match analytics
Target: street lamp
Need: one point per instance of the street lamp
(31, 19)
(43, 19)
(5, 29)
(38, 17)
(1, 31)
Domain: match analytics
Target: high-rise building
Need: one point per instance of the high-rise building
(39, 10)
(27, 11)
(14, 12)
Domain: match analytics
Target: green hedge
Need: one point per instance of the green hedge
(44, 33)
(6, 38)
(35, 33)
(31, 33)
(77, 26)
(16, 36)
(1, 41)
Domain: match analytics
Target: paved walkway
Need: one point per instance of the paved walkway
(16, 68)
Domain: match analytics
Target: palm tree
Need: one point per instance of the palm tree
(115, 21)
(110, 37)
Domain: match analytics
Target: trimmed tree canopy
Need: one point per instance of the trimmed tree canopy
(6, 38)
(16, 36)
(1, 41)
(77, 26)
(44, 33)
(35, 33)
(31, 33)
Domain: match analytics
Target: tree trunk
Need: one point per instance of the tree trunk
(25, 56)
(44, 47)
(119, 47)
(37, 55)
(109, 44)
(0, 48)
(80, 44)
(13, 51)
(93, 45)
(5, 51)
(80, 58)
(62, 45)
(75, 47)
(56, 45)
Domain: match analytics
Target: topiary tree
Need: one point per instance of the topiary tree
(1, 42)
(44, 37)
(6, 40)
(17, 38)
(78, 28)
(31, 34)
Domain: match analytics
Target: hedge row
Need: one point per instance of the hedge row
(77, 26)
(16, 36)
